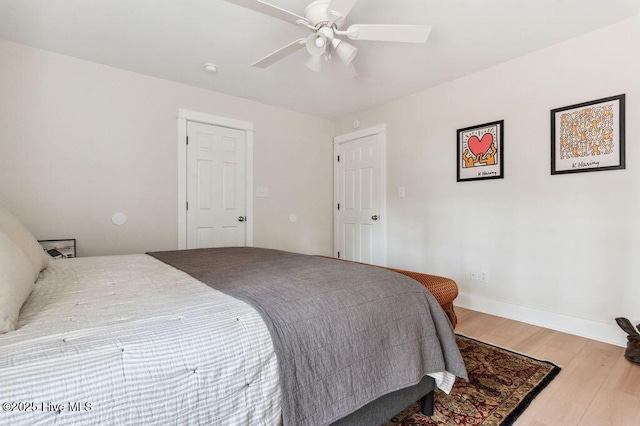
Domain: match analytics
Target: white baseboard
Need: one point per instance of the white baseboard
(595, 330)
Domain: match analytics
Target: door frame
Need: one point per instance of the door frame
(380, 129)
(184, 116)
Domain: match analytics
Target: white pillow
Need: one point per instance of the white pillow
(25, 241)
(16, 282)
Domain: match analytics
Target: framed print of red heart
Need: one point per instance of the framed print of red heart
(480, 152)
(482, 145)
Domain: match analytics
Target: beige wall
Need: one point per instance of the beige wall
(80, 141)
(561, 251)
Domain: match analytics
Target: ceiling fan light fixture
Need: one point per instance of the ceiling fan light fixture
(316, 44)
(345, 51)
(314, 63)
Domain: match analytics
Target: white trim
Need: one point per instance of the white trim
(182, 184)
(185, 116)
(249, 183)
(214, 119)
(595, 330)
(381, 128)
(338, 140)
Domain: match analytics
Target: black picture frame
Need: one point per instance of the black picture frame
(589, 136)
(60, 249)
(480, 152)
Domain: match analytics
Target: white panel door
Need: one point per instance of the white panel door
(216, 182)
(360, 198)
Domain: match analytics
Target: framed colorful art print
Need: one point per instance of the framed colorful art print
(588, 137)
(481, 152)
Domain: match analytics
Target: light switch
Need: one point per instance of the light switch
(262, 191)
(401, 192)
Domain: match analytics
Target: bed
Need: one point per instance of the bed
(142, 339)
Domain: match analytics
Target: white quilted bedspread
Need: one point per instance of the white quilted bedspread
(129, 340)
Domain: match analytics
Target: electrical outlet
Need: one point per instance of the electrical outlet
(483, 276)
(473, 275)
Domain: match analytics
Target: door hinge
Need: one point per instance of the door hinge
(338, 206)
(187, 140)
(338, 158)
(338, 255)
(187, 205)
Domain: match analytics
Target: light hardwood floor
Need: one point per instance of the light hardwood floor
(597, 385)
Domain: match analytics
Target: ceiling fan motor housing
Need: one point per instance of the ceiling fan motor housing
(316, 13)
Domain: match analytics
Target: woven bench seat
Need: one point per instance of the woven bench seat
(445, 290)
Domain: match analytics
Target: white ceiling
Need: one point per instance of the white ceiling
(173, 39)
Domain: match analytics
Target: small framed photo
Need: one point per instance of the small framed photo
(481, 152)
(588, 137)
(59, 249)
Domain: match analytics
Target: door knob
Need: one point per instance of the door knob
(374, 217)
(242, 218)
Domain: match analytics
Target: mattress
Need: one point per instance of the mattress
(83, 348)
(345, 334)
(132, 340)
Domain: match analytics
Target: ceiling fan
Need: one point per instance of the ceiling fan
(325, 18)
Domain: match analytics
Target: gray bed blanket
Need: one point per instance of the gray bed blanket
(344, 333)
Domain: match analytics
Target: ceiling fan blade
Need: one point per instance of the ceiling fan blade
(280, 53)
(269, 9)
(381, 32)
(339, 9)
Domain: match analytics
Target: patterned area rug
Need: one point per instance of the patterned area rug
(501, 386)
